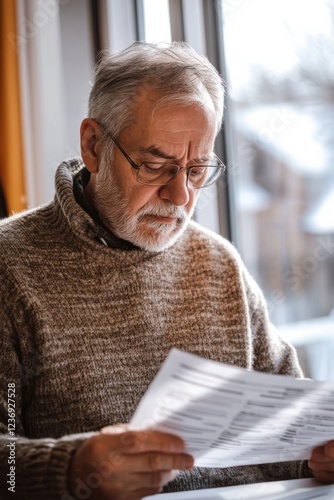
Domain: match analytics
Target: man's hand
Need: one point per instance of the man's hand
(121, 464)
(322, 462)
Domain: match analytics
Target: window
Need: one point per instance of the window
(280, 80)
(157, 21)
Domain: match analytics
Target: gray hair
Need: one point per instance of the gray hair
(176, 70)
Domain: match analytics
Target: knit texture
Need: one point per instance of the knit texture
(85, 328)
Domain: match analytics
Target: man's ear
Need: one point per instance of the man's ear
(90, 140)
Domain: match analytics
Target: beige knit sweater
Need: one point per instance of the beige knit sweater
(85, 328)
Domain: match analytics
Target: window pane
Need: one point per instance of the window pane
(280, 78)
(157, 21)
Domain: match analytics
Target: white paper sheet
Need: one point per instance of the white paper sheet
(294, 489)
(229, 416)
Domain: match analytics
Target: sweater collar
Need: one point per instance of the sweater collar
(105, 236)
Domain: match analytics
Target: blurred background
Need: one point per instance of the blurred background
(276, 202)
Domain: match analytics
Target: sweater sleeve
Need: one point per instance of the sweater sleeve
(40, 467)
(29, 468)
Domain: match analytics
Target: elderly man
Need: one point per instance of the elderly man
(98, 285)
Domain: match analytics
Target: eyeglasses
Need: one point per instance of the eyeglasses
(160, 173)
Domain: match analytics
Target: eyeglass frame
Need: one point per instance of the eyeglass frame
(221, 167)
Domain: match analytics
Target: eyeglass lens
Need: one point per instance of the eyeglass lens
(159, 175)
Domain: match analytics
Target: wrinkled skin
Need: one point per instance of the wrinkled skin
(120, 464)
(322, 462)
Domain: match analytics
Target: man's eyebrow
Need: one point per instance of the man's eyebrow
(155, 151)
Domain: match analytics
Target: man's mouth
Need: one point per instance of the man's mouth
(161, 219)
(164, 219)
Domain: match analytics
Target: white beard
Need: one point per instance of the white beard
(140, 229)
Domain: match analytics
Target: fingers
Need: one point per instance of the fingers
(324, 476)
(127, 462)
(142, 441)
(322, 463)
(146, 480)
(156, 461)
(323, 453)
(126, 452)
(138, 451)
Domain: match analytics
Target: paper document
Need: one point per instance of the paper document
(230, 416)
(293, 489)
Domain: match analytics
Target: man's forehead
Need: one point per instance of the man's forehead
(150, 99)
(163, 128)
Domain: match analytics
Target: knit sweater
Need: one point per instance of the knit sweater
(85, 328)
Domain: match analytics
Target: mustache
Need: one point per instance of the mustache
(162, 211)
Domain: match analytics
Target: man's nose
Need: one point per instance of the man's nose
(176, 191)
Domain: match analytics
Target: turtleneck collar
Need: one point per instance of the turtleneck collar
(105, 236)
